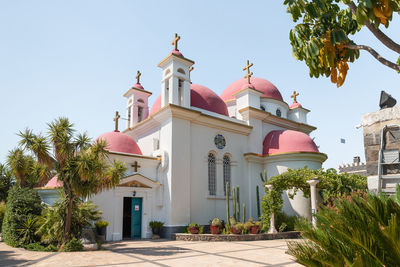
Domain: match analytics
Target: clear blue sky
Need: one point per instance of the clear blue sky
(77, 58)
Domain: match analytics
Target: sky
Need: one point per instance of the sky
(77, 58)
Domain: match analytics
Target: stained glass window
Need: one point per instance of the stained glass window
(219, 141)
(227, 172)
(212, 186)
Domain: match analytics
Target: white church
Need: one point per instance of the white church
(181, 152)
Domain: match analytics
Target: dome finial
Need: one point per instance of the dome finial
(116, 118)
(175, 41)
(294, 96)
(138, 77)
(247, 68)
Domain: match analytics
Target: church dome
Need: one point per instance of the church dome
(200, 97)
(120, 142)
(285, 141)
(259, 84)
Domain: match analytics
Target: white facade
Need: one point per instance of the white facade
(181, 158)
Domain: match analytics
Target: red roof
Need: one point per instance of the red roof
(258, 84)
(200, 97)
(285, 141)
(120, 142)
(54, 183)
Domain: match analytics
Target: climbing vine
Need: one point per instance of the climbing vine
(331, 185)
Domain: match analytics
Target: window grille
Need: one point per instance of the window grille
(227, 172)
(212, 187)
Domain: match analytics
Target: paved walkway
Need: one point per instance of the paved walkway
(158, 253)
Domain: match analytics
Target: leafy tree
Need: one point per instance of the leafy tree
(359, 230)
(81, 165)
(6, 182)
(323, 37)
(22, 202)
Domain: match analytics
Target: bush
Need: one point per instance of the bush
(21, 203)
(101, 224)
(53, 217)
(27, 231)
(156, 224)
(39, 247)
(2, 212)
(73, 245)
(285, 222)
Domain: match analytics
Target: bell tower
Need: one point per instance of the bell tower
(137, 108)
(175, 83)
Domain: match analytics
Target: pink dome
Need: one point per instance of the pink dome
(284, 141)
(54, 183)
(259, 84)
(200, 97)
(138, 85)
(296, 105)
(177, 52)
(120, 142)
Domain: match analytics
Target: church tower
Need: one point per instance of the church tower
(175, 84)
(137, 108)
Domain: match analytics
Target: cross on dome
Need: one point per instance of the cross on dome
(175, 41)
(116, 118)
(247, 69)
(138, 77)
(294, 96)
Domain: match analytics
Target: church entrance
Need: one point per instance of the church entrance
(132, 218)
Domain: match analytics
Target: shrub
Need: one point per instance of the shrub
(156, 224)
(73, 245)
(285, 222)
(39, 247)
(216, 222)
(193, 224)
(101, 224)
(21, 203)
(27, 231)
(52, 221)
(358, 231)
(2, 212)
(247, 226)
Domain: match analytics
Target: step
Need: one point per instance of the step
(389, 190)
(391, 176)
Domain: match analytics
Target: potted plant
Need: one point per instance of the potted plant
(101, 227)
(255, 229)
(216, 225)
(237, 228)
(194, 228)
(156, 227)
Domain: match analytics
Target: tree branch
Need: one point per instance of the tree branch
(389, 43)
(375, 55)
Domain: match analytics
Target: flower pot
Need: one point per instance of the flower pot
(156, 231)
(101, 230)
(194, 230)
(235, 231)
(215, 230)
(254, 230)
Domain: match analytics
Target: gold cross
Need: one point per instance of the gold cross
(247, 68)
(294, 96)
(117, 116)
(175, 41)
(138, 77)
(190, 69)
(136, 166)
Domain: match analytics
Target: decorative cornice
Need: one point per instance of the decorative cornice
(267, 117)
(251, 90)
(137, 89)
(134, 155)
(173, 56)
(197, 117)
(288, 156)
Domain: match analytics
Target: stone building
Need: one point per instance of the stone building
(357, 167)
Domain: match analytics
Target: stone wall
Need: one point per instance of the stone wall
(373, 123)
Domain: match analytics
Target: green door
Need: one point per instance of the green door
(136, 221)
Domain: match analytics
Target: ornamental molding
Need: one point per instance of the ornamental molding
(288, 156)
(267, 117)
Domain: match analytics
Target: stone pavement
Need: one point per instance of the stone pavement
(158, 253)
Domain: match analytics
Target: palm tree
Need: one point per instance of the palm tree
(81, 165)
(359, 230)
(6, 181)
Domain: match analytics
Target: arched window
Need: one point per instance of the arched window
(278, 112)
(212, 186)
(262, 107)
(140, 100)
(181, 71)
(227, 172)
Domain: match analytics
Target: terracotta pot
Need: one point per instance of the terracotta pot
(215, 230)
(254, 230)
(194, 230)
(235, 231)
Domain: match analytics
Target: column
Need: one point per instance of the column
(313, 190)
(272, 229)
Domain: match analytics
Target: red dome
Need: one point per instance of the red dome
(54, 183)
(284, 141)
(120, 142)
(200, 97)
(259, 84)
(296, 105)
